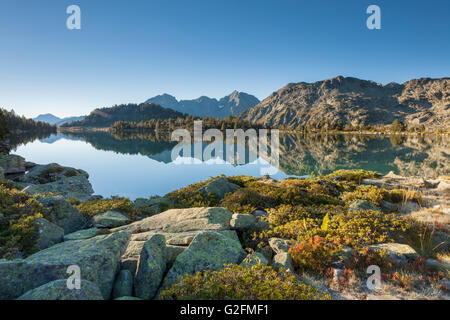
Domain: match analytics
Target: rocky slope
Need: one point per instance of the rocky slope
(341, 101)
(230, 105)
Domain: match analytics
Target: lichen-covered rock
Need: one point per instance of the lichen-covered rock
(181, 238)
(42, 174)
(253, 259)
(77, 187)
(436, 265)
(130, 258)
(282, 260)
(259, 214)
(399, 253)
(12, 164)
(151, 267)
(83, 234)
(48, 234)
(208, 251)
(123, 286)
(183, 220)
(279, 245)
(242, 221)
(58, 290)
(360, 205)
(98, 259)
(173, 252)
(63, 213)
(219, 187)
(2, 173)
(109, 219)
(443, 186)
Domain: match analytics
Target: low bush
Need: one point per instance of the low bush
(123, 205)
(235, 282)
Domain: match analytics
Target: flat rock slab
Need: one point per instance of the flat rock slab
(183, 220)
(109, 219)
(399, 253)
(182, 238)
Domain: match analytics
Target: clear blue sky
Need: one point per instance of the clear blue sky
(128, 51)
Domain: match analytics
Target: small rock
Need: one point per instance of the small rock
(443, 186)
(63, 213)
(242, 221)
(337, 274)
(362, 205)
(219, 187)
(12, 164)
(435, 265)
(261, 225)
(48, 234)
(279, 245)
(109, 219)
(389, 205)
(266, 251)
(283, 260)
(399, 253)
(260, 214)
(123, 286)
(409, 206)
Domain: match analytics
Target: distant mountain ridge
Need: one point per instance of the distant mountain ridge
(54, 120)
(105, 117)
(230, 105)
(339, 101)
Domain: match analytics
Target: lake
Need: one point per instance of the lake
(141, 166)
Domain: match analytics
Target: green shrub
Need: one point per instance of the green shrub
(242, 283)
(355, 176)
(123, 205)
(371, 194)
(18, 211)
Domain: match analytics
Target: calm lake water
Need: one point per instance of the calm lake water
(141, 166)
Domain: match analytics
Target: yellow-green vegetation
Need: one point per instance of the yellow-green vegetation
(18, 211)
(235, 282)
(355, 176)
(91, 208)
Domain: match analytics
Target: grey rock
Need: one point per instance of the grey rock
(242, 221)
(58, 290)
(151, 267)
(123, 286)
(259, 214)
(98, 259)
(109, 219)
(130, 258)
(12, 164)
(149, 207)
(219, 187)
(435, 265)
(399, 253)
(208, 251)
(279, 245)
(63, 214)
(360, 205)
(77, 187)
(172, 253)
(181, 238)
(282, 260)
(48, 234)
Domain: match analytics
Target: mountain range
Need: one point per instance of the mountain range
(231, 105)
(106, 117)
(54, 120)
(339, 101)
